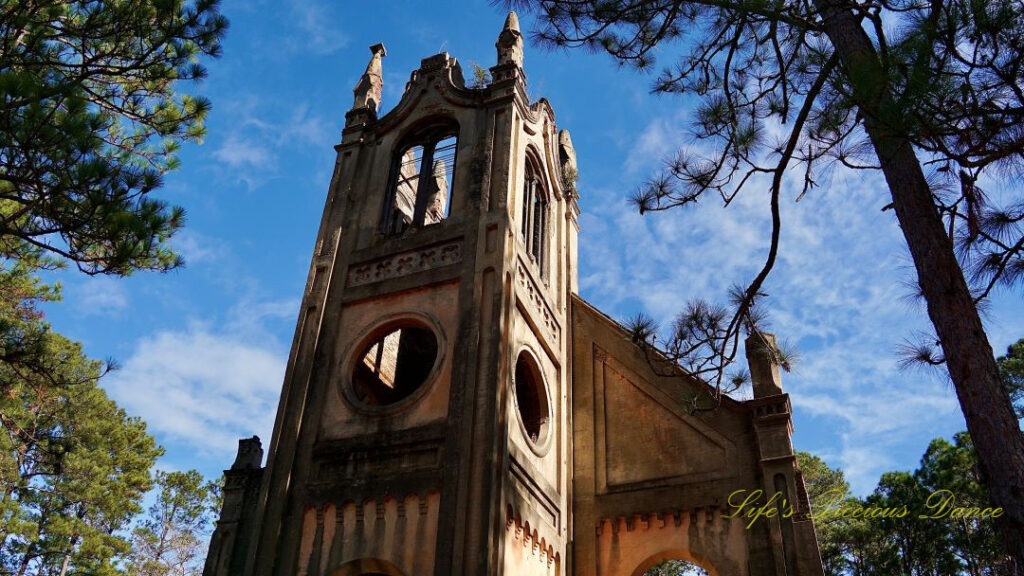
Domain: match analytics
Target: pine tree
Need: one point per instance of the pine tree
(895, 87)
(73, 466)
(90, 121)
(171, 540)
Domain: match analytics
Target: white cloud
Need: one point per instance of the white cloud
(316, 28)
(660, 137)
(839, 291)
(250, 150)
(206, 387)
(238, 152)
(98, 295)
(196, 247)
(305, 128)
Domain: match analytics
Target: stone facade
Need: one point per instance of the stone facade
(452, 407)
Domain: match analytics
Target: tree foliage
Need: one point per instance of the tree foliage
(90, 120)
(928, 93)
(1011, 372)
(73, 467)
(171, 541)
(910, 544)
(825, 484)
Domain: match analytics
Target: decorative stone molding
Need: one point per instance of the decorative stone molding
(701, 535)
(522, 532)
(656, 521)
(404, 264)
(535, 300)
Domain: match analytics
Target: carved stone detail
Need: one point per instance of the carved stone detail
(404, 264)
(542, 312)
(529, 537)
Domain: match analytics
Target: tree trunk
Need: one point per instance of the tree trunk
(972, 368)
(64, 566)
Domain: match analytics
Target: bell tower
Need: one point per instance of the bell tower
(423, 422)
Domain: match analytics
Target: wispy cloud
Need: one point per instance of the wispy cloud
(657, 139)
(100, 295)
(315, 28)
(237, 152)
(203, 386)
(196, 247)
(250, 150)
(838, 290)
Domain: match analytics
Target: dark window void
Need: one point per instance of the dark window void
(531, 398)
(534, 216)
(421, 182)
(394, 365)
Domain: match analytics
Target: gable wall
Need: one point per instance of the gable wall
(650, 480)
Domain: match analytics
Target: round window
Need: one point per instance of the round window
(394, 365)
(531, 398)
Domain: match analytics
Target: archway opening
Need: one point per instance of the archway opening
(675, 563)
(676, 568)
(420, 189)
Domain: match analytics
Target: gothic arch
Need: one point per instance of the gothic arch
(535, 160)
(426, 126)
(420, 184)
(535, 205)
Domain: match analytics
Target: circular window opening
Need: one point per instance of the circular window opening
(394, 365)
(531, 398)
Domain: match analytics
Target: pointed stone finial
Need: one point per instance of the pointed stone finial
(567, 156)
(368, 90)
(762, 358)
(510, 42)
(512, 22)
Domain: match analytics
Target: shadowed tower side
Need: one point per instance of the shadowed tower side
(423, 422)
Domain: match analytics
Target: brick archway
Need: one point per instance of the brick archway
(667, 555)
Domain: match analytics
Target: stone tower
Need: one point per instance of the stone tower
(452, 407)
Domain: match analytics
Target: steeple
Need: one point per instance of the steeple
(368, 90)
(762, 358)
(510, 43)
(567, 157)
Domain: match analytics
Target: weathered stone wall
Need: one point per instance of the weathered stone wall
(651, 481)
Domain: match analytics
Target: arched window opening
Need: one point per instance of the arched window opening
(534, 216)
(394, 365)
(531, 398)
(421, 181)
(676, 568)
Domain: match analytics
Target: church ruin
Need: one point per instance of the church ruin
(451, 406)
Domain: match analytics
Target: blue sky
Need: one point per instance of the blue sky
(202, 349)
